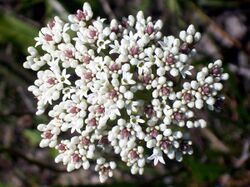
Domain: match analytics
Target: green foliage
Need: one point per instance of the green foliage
(203, 171)
(5, 185)
(144, 5)
(16, 31)
(106, 185)
(217, 3)
(33, 136)
(40, 119)
(53, 153)
(173, 6)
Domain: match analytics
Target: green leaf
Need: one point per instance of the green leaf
(120, 184)
(5, 185)
(16, 31)
(41, 119)
(33, 136)
(173, 6)
(218, 3)
(53, 153)
(144, 5)
(204, 171)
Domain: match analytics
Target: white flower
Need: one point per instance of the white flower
(102, 44)
(82, 15)
(134, 120)
(157, 156)
(186, 70)
(127, 78)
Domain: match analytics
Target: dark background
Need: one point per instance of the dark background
(221, 151)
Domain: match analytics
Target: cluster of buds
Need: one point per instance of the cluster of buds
(119, 89)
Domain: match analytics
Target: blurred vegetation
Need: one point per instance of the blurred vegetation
(221, 156)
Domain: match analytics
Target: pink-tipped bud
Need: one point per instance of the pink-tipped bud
(149, 30)
(187, 96)
(92, 122)
(52, 81)
(61, 147)
(113, 94)
(205, 90)
(74, 110)
(80, 15)
(178, 116)
(85, 141)
(76, 158)
(134, 50)
(125, 133)
(165, 91)
(149, 111)
(165, 144)
(86, 58)
(170, 59)
(154, 133)
(92, 33)
(146, 79)
(216, 71)
(51, 24)
(100, 110)
(114, 67)
(69, 53)
(88, 75)
(133, 154)
(48, 134)
(48, 37)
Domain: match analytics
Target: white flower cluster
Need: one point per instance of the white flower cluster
(119, 89)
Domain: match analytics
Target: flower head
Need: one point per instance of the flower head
(114, 89)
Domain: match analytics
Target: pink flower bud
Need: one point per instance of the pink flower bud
(177, 116)
(48, 37)
(86, 58)
(52, 81)
(149, 30)
(125, 133)
(134, 50)
(80, 15)
(133, 154)
(88, 75)
(170, 59)
(76, 158)
(85, 141)
(48, 134)
(165, 91)
(61, 147)
(154, 133)
(74, 110)
(92, 122)
(51, 24)
(69, 53)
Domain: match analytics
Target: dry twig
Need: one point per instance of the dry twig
(19, 154)
(107, 9)
(238, 162)
(216, 27)
(216, 143)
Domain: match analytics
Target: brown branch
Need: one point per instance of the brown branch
(242, 181)
(238, 162)
(107, 9)
(205, 18)
(240, 70)
(17, 114)
(30, 160)
(216, 143)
